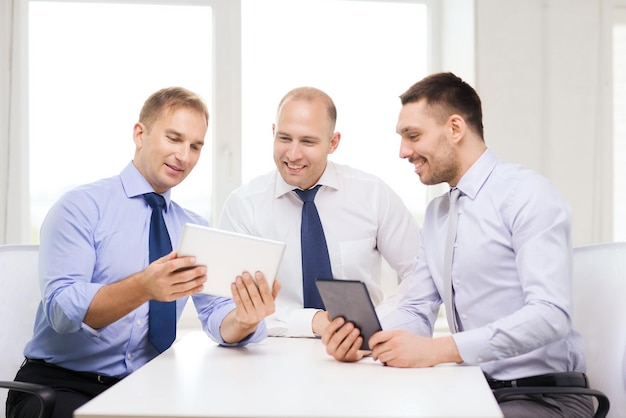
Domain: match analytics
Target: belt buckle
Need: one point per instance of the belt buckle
(499, 384)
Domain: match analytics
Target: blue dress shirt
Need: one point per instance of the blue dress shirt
(511, 273)
(95, 235)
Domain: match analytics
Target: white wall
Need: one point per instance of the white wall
(541, 67)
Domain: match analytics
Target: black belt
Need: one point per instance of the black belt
(105, 380)
(565, 379)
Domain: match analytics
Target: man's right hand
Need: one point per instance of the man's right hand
(171, 277)
(165, 280)
(343, 341)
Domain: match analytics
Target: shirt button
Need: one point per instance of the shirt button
(457, 282)
(479, 359)
(464, 316)
(128, 356)
(138, 322)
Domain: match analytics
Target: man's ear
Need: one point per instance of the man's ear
(138, 131)
(334, 142)
(457, 127)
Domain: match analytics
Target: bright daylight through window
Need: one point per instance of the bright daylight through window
(90, 75)
(364, 54)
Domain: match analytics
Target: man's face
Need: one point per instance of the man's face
(426, 144)
(167, 152)
(303, 138)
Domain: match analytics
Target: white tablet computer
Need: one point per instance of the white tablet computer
(351, 300)
(228, 254)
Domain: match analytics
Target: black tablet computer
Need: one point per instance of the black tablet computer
(351, 300)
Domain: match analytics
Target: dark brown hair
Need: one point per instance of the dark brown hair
(446, 94)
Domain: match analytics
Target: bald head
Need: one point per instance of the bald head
(311, 94)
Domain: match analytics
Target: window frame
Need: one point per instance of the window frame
(618, 17)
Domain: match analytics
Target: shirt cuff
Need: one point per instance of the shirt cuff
(474, 345)
(215, 322)
(300, 322)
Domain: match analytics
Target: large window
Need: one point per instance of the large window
(364, 54)
(92, 64)
(91, 67)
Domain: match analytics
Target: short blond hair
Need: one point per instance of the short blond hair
(171, 98)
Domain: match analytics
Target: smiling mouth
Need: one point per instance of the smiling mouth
(418, 163)
(174, 168)
(294, 167)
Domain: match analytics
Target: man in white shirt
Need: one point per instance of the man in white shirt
(361, 216)
(510, 280)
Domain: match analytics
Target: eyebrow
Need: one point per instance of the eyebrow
(407, 129)
(310, 137)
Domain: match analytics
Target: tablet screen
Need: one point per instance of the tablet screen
(351, 300)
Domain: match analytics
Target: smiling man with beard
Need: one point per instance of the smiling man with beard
(505, 277)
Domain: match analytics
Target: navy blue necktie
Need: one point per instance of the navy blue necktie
(315, 260)
(162, 317)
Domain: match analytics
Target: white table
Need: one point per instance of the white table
(288, 377)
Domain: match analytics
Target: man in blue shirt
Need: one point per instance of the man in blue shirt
(92, 326)
(507, 285)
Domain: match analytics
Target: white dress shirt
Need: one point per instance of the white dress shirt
(362, 219)
(511, 274)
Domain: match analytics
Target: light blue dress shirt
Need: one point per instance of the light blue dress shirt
(511, 274)
(95, 235)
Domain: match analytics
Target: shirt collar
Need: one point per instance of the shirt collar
(329, 179)
(135, 184)
(474, 179)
